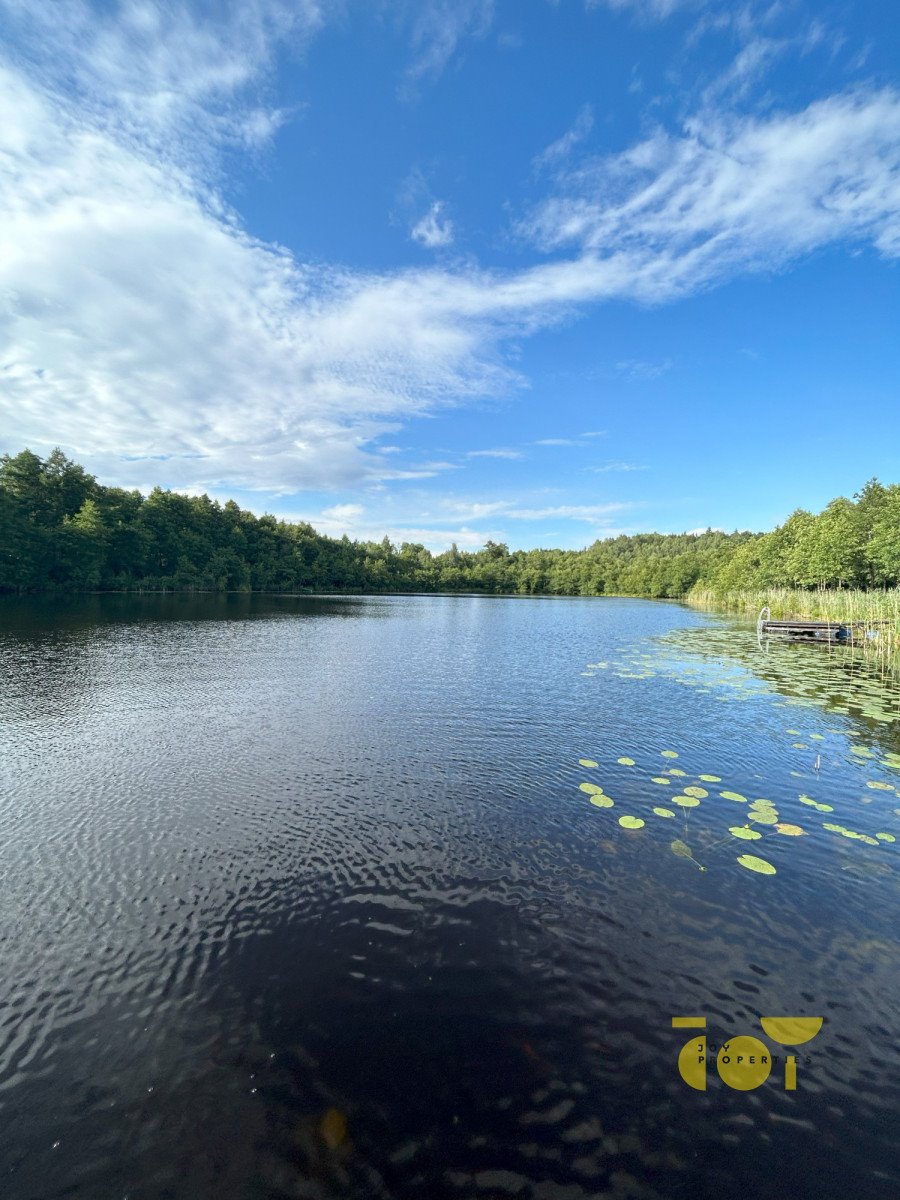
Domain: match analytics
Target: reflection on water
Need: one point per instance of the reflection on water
(742, 665)
(302, 897)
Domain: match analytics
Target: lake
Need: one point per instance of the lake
(303, 897)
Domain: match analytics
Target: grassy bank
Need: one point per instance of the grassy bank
(822, 604)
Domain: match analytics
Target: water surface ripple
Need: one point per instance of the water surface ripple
(300, 898)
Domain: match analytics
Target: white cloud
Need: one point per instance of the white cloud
(431, 230)
(163, 75)
(594, 514)
(734, 194)
(436, 522)
(615, 466)
(570, 441)
(758, 54)
(647, 9)
(499, 453)
(342, 512)
(339, 521)
(438, 28)
(635, 368)
(149, 334)
(563, 146)
(452, 509)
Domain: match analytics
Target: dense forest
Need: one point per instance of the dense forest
(60, 530)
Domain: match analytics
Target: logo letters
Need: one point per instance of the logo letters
(744, 1062)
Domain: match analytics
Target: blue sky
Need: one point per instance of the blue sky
(454, 270)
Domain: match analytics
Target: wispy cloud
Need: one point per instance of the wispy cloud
(433, 230)
(570, 441)
(342, 513)
(635, 368)
(758, 54)
(563, 146)
(438, 522)
(148, 329)
(615, 466)
(159, 75)
(439, 26)
(517, 510)
(594, 514)
(733, 194)
(365, 527)
(499, 453)
(656, 10)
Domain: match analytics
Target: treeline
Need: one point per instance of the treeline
(60, 530)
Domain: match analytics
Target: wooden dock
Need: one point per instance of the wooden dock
(816, 631)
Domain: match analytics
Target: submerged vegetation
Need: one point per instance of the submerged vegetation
(61, 530)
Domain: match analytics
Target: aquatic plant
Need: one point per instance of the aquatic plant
(823, 604)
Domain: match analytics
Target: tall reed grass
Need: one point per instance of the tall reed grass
(823, 604)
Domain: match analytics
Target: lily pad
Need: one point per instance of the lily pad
(710, 778)
(764, 816)
(592, 789)
(664, 779)
(602, 801)
(667, 812)
(882, 837)
(685, 801)
(625, 762)
(733, 796)
(696, 791)
(669, 753)
(631, 822)
(745, 833)
(752, 863)
(790, 830)
(682, 849)
(587, 762)
(677, 771)
(880, 787)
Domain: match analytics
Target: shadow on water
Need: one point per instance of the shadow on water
(70, 614)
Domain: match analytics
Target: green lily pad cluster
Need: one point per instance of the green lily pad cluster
(727, 662)
(819, 807)
(763, 817)
(855, 836)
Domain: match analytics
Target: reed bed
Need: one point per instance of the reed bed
(822, 604)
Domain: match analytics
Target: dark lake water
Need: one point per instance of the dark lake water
(302, 898)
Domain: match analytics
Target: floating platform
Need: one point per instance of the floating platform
(817, 631)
